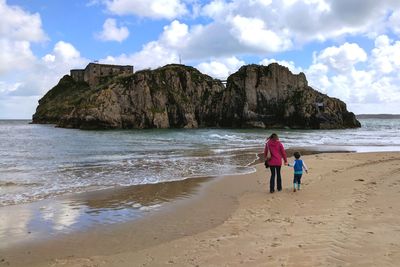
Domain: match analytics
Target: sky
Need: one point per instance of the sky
(349, 49)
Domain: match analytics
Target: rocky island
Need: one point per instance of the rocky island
(178, 96)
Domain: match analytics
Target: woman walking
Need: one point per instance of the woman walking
(274, 152)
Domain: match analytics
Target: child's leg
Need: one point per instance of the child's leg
(299, 182)
(294, 183)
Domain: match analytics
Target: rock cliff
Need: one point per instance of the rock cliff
(177, 96)
(271, 96)
(173, 96)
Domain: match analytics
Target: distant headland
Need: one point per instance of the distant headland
(105, 96)
(378, 116)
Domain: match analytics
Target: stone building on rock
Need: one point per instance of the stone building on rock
(93, 72)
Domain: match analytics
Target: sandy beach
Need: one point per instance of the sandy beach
(347, 214)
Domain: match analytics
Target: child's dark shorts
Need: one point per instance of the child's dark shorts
(297, 179)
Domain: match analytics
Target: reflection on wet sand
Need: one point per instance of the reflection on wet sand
(137, 196)
(59, 215)
(47, 218)
(13, 223)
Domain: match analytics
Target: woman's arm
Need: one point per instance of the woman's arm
(265, 151)
(305, 167)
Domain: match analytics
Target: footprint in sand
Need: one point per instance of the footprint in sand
(274, 245)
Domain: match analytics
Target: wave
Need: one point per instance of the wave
(53, 190)
(225, 137)
(11, 184)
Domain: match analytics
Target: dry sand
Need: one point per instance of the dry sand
(347, 214)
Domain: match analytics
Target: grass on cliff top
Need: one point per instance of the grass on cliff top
(63, 97)
(195, 73)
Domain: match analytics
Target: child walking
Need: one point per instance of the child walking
(298, 166)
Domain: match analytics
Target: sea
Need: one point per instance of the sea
(41, 161)
(56, 181)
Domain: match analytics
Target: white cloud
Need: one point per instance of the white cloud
(19, 93)
(386, 55)
(299, 22)
(261, 2)
(394, 22)
(157, 53)
(111, 32)
(15, 56)
(65, 52)
(342, 58)
(19, 25)
(156, 9)
(18, 29)
(175, 34)
(241, 27)
(214, 9)
(43, 73)
(326, 19)
(220, 68)
(257, 27)
(335, 71)
(152, 55)
(254, 33)
(234, 36)
(317, 75)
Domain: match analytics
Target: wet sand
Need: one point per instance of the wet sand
(347, 214)
(51, 218)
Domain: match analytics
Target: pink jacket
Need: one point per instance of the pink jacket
(277, 152)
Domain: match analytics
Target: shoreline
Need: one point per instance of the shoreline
(137, 200)
(208, 207)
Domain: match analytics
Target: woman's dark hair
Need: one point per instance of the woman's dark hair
(297, 155)
(273, 136)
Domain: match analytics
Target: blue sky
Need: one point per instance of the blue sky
(349, 49)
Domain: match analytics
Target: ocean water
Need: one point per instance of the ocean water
(40, 161)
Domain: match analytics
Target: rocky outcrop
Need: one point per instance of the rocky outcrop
(177, 96)
(272, 97)
(173, 96)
